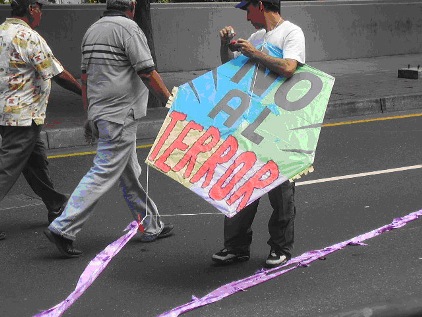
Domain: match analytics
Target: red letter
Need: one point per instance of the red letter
(219, 190)
(175, 117)
(223, 154)
(177, 144)
(255, 182)
(204, 144)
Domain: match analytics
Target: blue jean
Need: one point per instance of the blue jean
(116, 160)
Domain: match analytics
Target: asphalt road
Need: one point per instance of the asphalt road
(147, 279)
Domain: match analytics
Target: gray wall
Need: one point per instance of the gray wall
(63, 27)
(186, 35)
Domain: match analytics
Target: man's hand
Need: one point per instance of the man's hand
(226, 50)
(281, 66)
(226, 35)
(90, 132)
(246, 48)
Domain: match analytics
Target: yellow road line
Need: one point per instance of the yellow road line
(71, 154)
(372, 120)
(146, 146)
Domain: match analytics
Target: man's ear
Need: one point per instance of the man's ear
(30, 11)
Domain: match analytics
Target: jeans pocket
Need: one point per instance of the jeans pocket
(130, 125)
(108, 131)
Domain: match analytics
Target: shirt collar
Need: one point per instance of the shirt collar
(17, 21)
(114, 13)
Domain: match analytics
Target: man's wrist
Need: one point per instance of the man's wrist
(259, 56)
(225, 41)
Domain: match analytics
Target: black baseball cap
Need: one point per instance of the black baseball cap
(244, 3)
(25, 3)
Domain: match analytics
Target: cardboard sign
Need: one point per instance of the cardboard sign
(238, 131)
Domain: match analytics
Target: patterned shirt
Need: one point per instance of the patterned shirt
(26, 67)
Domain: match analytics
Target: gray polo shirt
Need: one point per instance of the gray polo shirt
(114, 49)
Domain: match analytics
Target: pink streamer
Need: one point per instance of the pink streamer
(92, 271)
(303, 260)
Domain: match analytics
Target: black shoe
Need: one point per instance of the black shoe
(2, 235)
(226, 256)
(64, 245)
(276, 258)
(56, 213)
(166, 232)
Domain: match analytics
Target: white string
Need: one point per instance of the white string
(253, 85)
(147, 192)
(146, 197)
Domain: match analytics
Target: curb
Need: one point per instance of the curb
(73, 137)
(400, 103)
(150, 125)
(349, 108)
(148, 129)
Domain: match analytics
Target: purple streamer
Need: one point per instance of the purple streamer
(303, 260)
(92, 271)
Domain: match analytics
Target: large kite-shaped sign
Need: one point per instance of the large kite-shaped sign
(238, 131)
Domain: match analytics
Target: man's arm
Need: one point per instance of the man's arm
(155, 84)
(226, 35)
(281, 66)
(84, 81)
(67, 81)
(225, 53)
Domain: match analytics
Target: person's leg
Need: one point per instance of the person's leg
(281, 223)
(237, 236)
(16, 147)
(38, 177)
(17, 144)
(113, 153)
(141, 206)
(237, 230)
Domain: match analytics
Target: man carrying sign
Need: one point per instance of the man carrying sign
(272, 28)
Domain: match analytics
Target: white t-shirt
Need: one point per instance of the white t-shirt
(287, 36)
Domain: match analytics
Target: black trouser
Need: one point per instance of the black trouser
(23, 151)
(238, 232)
